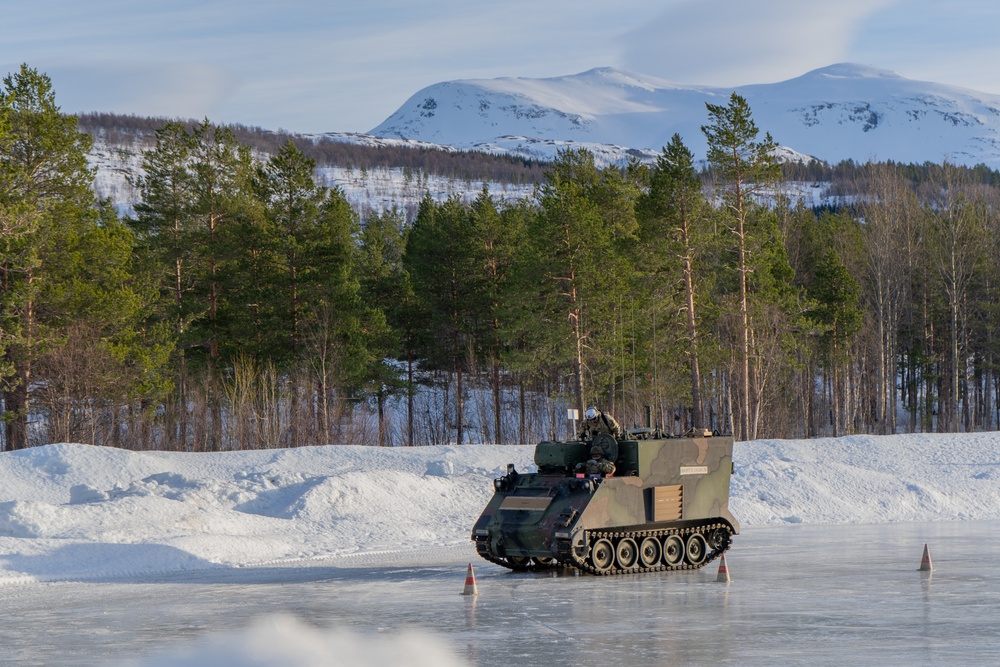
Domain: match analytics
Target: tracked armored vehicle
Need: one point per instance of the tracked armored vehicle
(665, 507)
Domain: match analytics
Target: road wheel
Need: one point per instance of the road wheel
(518, 562)
(627, 554)
(602, 555)
(697, 549)
(673, 551)
(649, 552)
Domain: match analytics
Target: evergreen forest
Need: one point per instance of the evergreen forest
(244, 306)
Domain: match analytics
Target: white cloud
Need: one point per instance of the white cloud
(735, 42)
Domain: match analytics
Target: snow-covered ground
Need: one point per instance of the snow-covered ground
(71, 512)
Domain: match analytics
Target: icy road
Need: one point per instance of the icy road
(817, 595)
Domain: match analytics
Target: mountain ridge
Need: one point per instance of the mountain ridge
(842, 111)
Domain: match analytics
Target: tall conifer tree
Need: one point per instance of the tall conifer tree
(673, 215)
(63, 264)
(745, 166)
(581, 266)
(44, 192)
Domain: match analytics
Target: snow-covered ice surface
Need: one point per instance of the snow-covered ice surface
(800, 595)
(109, 536)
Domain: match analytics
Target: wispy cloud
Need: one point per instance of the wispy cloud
(347, 65)
(951, 42)
(173, 89)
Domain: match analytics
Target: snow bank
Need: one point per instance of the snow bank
(77, 512)
(867, 479)
(72, 511)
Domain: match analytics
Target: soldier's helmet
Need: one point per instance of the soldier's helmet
(596, 451)
(591, 412)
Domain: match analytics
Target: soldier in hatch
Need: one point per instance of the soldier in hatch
(597, 464)
(596, 423)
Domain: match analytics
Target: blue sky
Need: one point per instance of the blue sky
(346, 65)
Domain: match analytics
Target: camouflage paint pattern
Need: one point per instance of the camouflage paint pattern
(529, 512)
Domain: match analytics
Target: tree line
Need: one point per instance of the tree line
(244, 306)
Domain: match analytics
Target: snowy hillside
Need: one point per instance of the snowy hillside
(78, 512)
(376, 190)
(834, 113)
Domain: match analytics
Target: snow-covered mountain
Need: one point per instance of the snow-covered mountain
(844, 111)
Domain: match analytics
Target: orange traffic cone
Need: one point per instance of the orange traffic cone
(723, 570)
(925, 562)
(470, 583)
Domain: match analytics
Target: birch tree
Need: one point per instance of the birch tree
(891, 216)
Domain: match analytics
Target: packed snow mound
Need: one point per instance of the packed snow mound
(844, 111)
(70, 511)
(284, 640)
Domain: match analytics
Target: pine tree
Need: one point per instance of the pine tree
(581, 266)
(498, 238)
(385, 290)
(44, 194)
(65, 276)
(222, 171)
(517, 306)
(673, 216)
(101, 358)
(284, 262)
(438, 261)
(337, 326)
(837, 296)
(745, 167)
(164, 226)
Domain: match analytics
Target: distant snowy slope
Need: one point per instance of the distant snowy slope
(71, 512)
(835, 113)
(117, 166)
